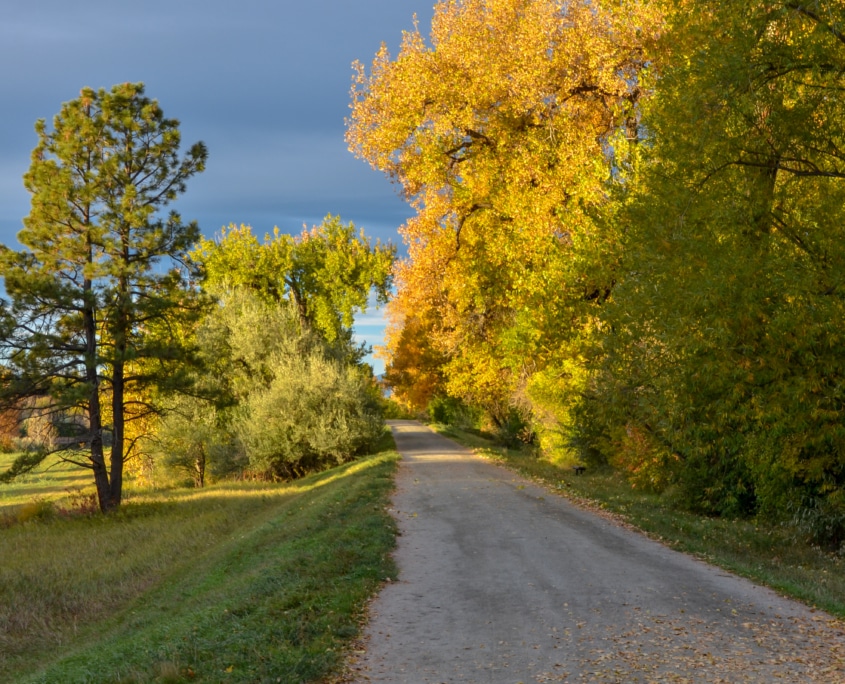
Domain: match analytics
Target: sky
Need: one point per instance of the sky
(263, 83)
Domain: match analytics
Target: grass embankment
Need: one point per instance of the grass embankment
(239, 582)
(769, 554)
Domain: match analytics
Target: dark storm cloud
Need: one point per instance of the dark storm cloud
(317, 161)
(264, 84)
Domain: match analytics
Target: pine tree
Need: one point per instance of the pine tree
(91, 311)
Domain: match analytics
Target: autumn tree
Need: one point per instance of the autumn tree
(414, 371)
(505, 132)
(90, 295)
(10, 426)
(724, 358)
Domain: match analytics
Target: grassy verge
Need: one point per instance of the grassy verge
(240, 582)
(766, 553)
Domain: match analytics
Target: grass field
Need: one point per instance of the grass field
(769, 554)
(51, 481)
(239, 582)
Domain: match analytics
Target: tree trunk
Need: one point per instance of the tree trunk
(95, 418)
(301, 306)
(117, 456)
(199, 468)
(120, 332)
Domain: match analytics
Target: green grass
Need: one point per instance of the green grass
(51, 481)
(240, 582)
(769, 554)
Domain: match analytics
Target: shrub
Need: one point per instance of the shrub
(79, 504)
(646, 465)
(288, 401)
(36, 510)
(318, 411)
(452, 411)
(513, 429)
(393, 410)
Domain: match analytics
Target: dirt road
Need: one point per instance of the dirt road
(503, 581)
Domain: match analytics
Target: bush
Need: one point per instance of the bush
(393, 410)
(292, 401)
(317, 412)
(452, 411)
(36, 510)
(647, 466)
(514, 429)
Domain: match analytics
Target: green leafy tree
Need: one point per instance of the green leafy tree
(722, 370)
(327, 273)
(193, 439)
(89, 300)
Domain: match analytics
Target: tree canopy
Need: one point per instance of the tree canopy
(629, 227)
(327, 272)
(726, 352)
(505, 132)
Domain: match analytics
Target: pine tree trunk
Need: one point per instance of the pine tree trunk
(121, 332)
(117, 456)
(95, 418)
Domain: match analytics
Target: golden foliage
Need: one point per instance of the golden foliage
(504, 134)
(414, 364)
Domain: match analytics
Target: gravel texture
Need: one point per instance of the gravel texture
(501, 580)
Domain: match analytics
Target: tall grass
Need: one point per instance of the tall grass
(237, 582)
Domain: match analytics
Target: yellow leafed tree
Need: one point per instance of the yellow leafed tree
(506, 132)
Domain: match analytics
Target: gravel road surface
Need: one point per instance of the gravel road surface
(502, 581)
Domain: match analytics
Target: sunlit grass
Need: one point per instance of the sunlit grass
(242, 581)
(53, 480)
(771, 554)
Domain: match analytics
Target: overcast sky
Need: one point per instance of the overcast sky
(264, 83)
